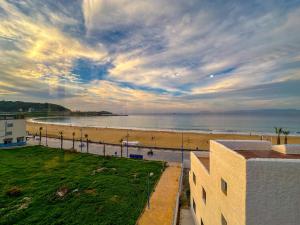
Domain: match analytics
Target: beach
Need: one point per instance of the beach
(162, 139)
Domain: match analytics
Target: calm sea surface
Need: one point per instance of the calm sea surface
(194, 123)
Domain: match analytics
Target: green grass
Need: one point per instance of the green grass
(115, 194)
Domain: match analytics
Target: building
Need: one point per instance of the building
(246, 183)
(12, 130)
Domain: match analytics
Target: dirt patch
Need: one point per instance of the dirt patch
(24, 203)
(61, 192)
(115, 198)
(99, 170)
(14, 191)
(91, 191)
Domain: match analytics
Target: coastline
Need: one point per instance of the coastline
(153, 138)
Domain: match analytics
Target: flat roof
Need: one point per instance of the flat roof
(205, 161)
(250, 154)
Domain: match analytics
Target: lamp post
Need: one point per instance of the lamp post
(182, 148)
(73, 134)
(127, 143)
(148, 189)
(40, 142)
(61, 140)
(46, 136)
(80, 139)
(87, 142)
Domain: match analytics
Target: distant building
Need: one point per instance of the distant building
(246, 183)
(12, 130)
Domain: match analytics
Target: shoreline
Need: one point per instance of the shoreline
(246, 133)
(152, 138)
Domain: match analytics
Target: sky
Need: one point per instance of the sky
(148, 56)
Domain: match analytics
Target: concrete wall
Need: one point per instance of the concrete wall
(18, 129)
(202, 180)
(287, 149)
(273, 192)
(230, 166)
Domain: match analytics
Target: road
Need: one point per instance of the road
(172, 156)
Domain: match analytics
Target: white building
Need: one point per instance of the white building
(12, 130)
(246, 183)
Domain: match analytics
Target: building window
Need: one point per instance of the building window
(194, 206)
(204, 195)
(202, 222)
(7, 141)
(194, 178)
(223, 220)
(224, 186)
(20, 139)
(9, 125)
(7, 133)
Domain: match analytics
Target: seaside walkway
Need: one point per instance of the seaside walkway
(171, 156)
(162, 205)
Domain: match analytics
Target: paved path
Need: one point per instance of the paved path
(159, 154)
(163, 199)
(186, 217)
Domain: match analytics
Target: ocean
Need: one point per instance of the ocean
(255, 124)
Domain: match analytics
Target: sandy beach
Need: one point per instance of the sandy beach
(164, 139)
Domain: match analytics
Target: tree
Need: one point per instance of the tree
(73, 134)
(61, 140)
(87, 142)
(286, 133)
(278, 131)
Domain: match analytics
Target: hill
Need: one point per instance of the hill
(18, 106)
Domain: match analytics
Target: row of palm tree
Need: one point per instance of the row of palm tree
(279, 131)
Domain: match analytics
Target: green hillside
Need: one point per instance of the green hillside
(18, 106)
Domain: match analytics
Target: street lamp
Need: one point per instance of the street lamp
(80, 139)
(148, 188)
(127, 143)
(41, 128)
(46, 136)
(182, 148)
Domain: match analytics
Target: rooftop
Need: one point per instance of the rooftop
(249, 154)
(204, 161)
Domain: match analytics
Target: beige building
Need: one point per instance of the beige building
(12, 130)
(246, 183)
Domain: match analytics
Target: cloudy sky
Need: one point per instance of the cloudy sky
(151, 55)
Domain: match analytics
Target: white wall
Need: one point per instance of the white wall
(273, 192)
(18, 129)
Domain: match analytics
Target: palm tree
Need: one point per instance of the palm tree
(278, 131)
(41, 128)
(286, 133)
(73, 134)
(61, 140)
(87, 142)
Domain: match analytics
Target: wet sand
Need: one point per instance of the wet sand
(163, 139)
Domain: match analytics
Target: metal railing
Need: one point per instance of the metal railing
(176, 209)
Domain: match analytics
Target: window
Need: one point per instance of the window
(20, 139)
(7, 141)
(223, 220)
(224, 186)
(9, 125)
(194, 206)
(202, 222)
(194, 178)
(204, 195)
(7, 133)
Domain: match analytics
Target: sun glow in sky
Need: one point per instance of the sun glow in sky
(151, 55)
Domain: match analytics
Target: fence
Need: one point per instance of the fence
(176, 209)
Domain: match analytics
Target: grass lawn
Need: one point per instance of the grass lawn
(40, 185)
